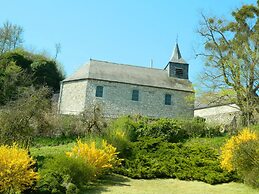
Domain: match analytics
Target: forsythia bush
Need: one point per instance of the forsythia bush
(232, 144)
(241, 154)
(100, 159)
(16, 172)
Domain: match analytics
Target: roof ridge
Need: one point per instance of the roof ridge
(125, 64)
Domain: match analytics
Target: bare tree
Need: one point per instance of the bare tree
(57, 50)
(10, 37)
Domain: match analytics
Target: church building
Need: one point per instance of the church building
(120, 89)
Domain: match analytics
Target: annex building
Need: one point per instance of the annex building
(120, 89)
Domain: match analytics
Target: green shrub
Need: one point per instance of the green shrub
(171, 130)
(120, 133)
(197, 127)
(62, 174)
(155, 158)
(168, 129)
(246, 159)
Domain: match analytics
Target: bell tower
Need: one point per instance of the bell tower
(177, 67)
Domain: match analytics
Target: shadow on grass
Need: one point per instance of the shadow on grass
(101, 184)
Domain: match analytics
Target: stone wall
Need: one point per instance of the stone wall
(116, 100)
(72, 97)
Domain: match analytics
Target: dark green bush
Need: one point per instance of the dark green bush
(155, 158)
(168, 129)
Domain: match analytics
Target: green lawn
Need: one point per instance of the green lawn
(117, 184)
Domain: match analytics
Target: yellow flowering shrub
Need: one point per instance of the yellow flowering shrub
(99, 158)
(233, 145)
(16, 172)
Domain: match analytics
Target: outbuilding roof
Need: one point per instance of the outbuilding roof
(129, 74)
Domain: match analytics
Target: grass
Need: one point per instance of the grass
(49, 151)
(215, 142)
(117, 184)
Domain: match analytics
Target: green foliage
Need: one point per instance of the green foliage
(10, 37)
(232, 57)
(12, 80)
(62, 174)
(19, 68)
(40, 141)
(155, 158)
(120, 133)
(246, 159)
(22, 119)
(197, 127)
(171, 130)
(168, 129)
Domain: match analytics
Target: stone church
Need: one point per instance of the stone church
(120, 89)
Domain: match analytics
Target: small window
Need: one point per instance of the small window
(135, 95)
(99, 91)
(167, 99)
(179, 72)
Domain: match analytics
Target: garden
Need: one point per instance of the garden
(44, 152)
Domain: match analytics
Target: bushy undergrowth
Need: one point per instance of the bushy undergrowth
(120, 133)
(22, 119)
(171, 130)
(155, 158)
(61, 173)
(16, 169)
(241, 154)
(68, 173)
(32, 117)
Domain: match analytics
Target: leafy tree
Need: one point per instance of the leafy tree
(232, 57)
(12, 81)
(10, 37)
(19, 68)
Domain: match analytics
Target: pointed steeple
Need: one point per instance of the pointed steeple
(176, 56)
(177, 67)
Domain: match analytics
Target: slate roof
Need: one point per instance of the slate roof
(108, 71)
(177, 57)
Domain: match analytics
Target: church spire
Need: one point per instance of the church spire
(176, 56)
(177, 66)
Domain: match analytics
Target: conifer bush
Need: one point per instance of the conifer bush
(156, 158)
(16, 169)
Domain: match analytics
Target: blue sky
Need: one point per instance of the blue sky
(122, 31)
